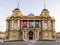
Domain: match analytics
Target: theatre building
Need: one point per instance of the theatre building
(30, 27)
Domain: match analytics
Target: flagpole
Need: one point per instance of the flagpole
(18, 5)
(44, 6)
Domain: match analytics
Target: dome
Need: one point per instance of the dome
(44, 10)
(31, 14)
(16, 9)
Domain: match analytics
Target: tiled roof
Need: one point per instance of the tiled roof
(58, 35)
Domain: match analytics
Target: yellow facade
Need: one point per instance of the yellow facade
(16, 31)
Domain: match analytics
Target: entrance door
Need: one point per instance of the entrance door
(30, 35)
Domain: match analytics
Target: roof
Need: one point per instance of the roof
(2, 32)
(58, 35)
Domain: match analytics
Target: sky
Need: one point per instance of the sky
(29, 6)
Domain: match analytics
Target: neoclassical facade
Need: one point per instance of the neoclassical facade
(20, 27)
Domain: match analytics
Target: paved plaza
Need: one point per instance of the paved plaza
(31, 42)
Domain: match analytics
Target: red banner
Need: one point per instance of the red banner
(24, 23)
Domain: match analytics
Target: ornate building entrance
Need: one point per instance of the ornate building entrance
(30, 35)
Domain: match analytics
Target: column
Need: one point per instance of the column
(18, 24)
(28, 23)
(35, 35)
(40, 25)
(7, 25)
(21, 24)
(34, 23)
(26, 35)
(38, 34)
(23, 35)
(12, 24)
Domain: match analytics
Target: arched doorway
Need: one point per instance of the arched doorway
(30, 35)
